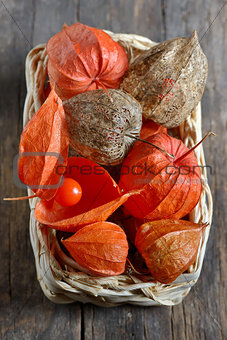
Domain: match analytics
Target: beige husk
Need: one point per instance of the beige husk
(91, 116)
(168, 80)
(60, 277)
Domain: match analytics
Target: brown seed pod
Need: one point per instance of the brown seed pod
(168, 80)
(99, 125)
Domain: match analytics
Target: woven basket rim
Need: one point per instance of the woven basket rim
(64, 283)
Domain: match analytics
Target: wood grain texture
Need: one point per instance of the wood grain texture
(24, 312)
(205, 308)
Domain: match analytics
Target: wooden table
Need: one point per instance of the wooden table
(25, 312)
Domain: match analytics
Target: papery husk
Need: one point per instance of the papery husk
(169, 187)
(168, 80)
(169, 247)
(40, 152)
(100, 248)
(83, 58)
(101, 196)
(98, 126)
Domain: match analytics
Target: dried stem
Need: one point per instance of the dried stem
(145, 141)
(194, 147)
(18, 198)
(133, 268)
(104, 88)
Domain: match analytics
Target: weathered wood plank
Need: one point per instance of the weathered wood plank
(126, 16)
(17, 269)
(25, 312)
(202, 313)
(50, 17)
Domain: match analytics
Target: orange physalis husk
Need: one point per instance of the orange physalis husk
(100, 248)
(100, 198)
(170, 187)
(45, 143)
(169, 247)
(149, 128)
(83, 58)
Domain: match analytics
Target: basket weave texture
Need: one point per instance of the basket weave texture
(59, 276)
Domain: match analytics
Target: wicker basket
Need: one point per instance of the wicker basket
(59, 277)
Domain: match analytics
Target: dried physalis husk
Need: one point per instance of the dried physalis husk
(169, 247)
(168, 80)
(100, 249)
(169, 187)
(100, 124)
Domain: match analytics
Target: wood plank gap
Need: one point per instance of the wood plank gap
(78, 10)
(82, 327)
(163, 9)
